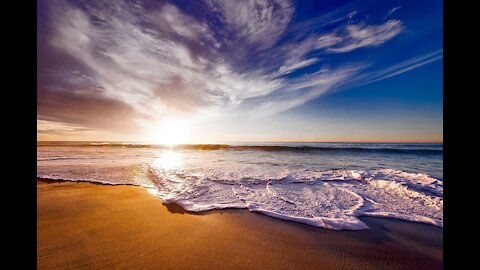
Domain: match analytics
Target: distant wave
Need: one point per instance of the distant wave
(399, 149)
(66, 158)
(327, 148)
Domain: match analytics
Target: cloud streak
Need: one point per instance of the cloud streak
(358, 36)
(407, 65)
(136, 62)
(259, 22)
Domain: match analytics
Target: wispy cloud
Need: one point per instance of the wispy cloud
(393, 10)
(343, 39)
(257, 21)
(407, 65)
(137, 63)
(300, 90)
(285, 69)
(358, 36)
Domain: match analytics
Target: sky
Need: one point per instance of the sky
(211, 71)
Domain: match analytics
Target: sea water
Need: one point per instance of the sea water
(326, 185)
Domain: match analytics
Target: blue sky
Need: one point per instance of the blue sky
(220, 71)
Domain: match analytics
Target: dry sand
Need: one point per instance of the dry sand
(92, 226)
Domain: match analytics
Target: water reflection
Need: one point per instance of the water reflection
(169, 160)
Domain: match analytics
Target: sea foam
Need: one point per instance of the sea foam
(331, 199)
(306, 187)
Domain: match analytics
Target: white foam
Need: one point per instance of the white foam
(330, 199)
(287, 186)
(321, 204)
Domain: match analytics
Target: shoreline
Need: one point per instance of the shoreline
(88, 225)
(288, 219)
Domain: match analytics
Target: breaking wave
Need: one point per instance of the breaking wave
(384, 148)
(310, 186)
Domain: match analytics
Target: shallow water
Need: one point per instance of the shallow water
(322, 184)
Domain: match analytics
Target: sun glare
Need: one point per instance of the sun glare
(169, 160)
(170, 133)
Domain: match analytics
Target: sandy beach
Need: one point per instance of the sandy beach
(94, 226)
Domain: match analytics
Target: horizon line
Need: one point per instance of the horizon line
(226, 142)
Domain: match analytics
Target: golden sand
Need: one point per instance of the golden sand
(92, 226)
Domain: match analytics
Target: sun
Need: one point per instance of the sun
(170, 132)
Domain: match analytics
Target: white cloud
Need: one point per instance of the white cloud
(407, 65)
(327, 40)
(393, 10)
(165, 61)
(355, 36)
(359, 36)
(154, 71)
(285, 69)
(170, 20)
(301, 90)
(258, 21)
(291, 56)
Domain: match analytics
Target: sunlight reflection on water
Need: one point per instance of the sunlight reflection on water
(169, 160)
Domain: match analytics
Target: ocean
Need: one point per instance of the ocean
(325, 185)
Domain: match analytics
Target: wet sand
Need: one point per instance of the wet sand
(93, 226)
